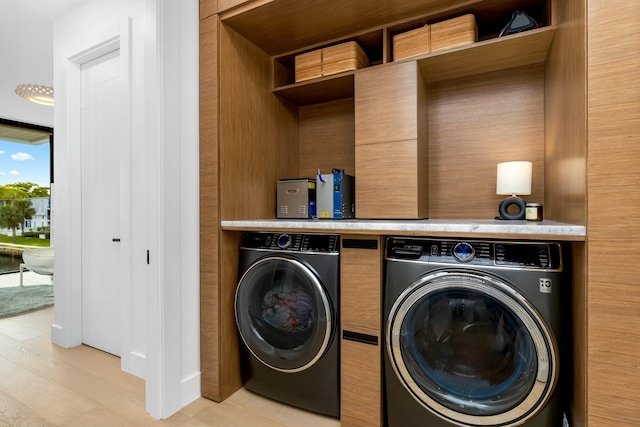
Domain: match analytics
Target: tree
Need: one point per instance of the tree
(23, 209)
(22, 190)
(11, 218)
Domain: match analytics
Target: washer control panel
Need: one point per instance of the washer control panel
(537, 255)
(291, 242)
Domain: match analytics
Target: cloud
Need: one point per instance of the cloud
(1, 151)
(14, 173)
(22, 157)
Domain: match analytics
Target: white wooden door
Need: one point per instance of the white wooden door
(104, 139)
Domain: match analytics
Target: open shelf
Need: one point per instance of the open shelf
(283, 26)
(319, 90)
(495, 54)
(502, 53)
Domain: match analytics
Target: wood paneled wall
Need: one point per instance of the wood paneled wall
(565, 170)
(208, 8)
(474, 124)
(258, 132)
(327, 134)
(565, 116)
(209, 207)
(613, 213)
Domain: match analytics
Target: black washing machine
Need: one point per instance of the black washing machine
(286, 309)
(473, 331)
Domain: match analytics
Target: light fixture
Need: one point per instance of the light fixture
(513, 179)
(36, 93)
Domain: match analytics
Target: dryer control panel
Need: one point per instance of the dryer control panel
(537, 255)
(291, 242)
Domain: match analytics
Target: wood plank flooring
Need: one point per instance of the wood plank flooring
(42, 384)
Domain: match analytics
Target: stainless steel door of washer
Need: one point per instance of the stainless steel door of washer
(472, 349)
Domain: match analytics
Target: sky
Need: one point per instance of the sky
(24, 163)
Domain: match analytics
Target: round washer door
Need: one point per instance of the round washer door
(471, 349)
(283, 314)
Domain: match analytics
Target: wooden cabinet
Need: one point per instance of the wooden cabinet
(613, 206)
(208, 8)
(422, 137)
(361, 282)
(361, 384)
(391, 151)
(361, 326)
(427, 130)
(209, 207)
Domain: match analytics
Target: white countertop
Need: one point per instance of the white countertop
(468, 227)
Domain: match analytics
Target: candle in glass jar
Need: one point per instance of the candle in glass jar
(533, 212)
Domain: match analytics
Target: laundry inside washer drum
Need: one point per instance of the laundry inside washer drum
(469, 352)
(286, 317)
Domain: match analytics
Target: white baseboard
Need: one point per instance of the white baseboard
(135, 364)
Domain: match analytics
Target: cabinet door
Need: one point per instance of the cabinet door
(360, 284)
(391, 154)
(361, 384)
(361, 307)
(387, 181)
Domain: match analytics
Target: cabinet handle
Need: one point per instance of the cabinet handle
(115, 239)
(360, 243)
(358, 337)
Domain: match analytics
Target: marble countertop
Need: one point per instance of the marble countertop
(428, 227)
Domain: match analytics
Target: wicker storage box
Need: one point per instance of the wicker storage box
(343, 57)
(454, 32)
(308, 65)
(330, 60)
(447, 34)
(412, 43)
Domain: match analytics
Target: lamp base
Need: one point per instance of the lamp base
(512, 201)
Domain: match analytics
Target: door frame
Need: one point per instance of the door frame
(165, 300)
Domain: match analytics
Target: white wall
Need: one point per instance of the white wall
(172, 66)
(27, 57)
(162, 308)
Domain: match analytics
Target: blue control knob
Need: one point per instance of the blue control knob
(284, 241)
(463, 252)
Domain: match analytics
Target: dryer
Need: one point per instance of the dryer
(286, 310)
(473, 332)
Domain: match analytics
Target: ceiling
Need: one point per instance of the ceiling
(26, 52)
(29, 134)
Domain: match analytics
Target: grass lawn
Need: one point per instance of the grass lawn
(19, 240)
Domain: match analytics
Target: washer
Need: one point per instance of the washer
(286, 309)
(472, 333)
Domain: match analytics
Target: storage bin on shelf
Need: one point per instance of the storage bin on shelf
(308, 65)
(343, 57)
(412, 43)
(330, 60)
(447, 34)
(454, 32)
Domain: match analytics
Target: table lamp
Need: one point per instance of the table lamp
(513, 179)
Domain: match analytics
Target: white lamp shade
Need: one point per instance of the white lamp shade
(514, 178)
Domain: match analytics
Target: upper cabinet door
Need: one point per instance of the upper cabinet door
(391, 151)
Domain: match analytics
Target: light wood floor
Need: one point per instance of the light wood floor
(42, 384)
